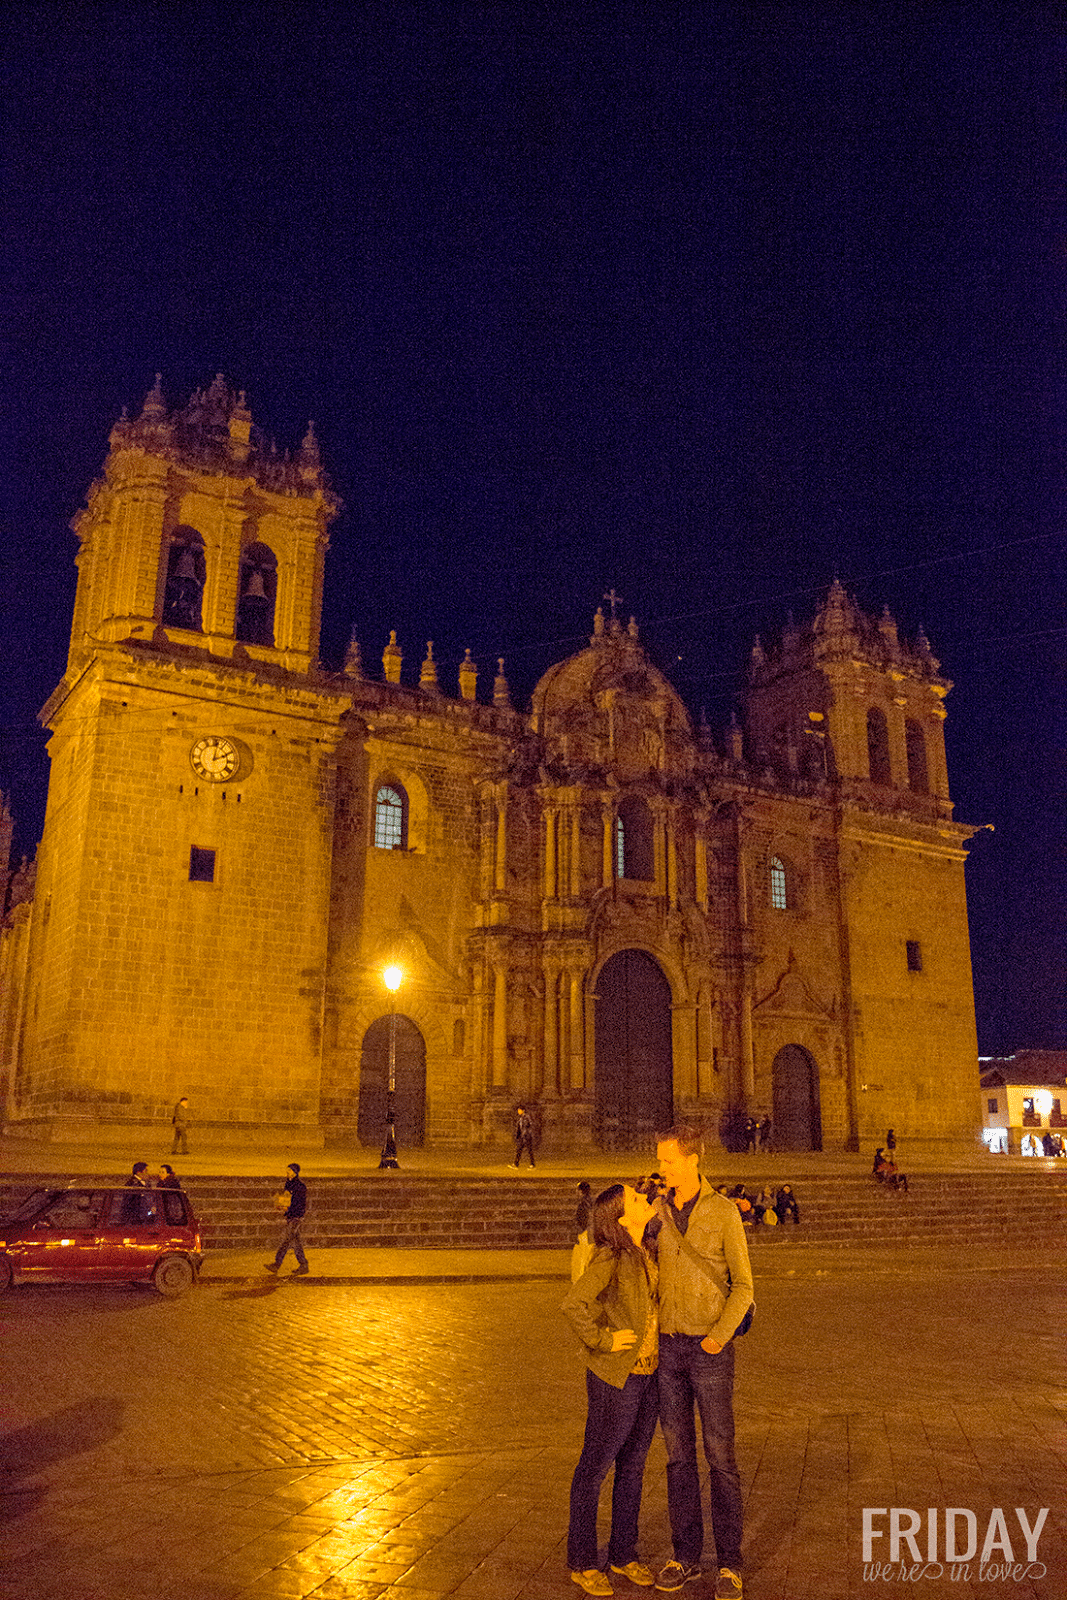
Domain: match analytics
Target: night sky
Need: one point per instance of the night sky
(708, 303)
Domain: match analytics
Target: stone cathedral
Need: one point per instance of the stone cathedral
(598, 911)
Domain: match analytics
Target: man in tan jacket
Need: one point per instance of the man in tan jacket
(705, 1291)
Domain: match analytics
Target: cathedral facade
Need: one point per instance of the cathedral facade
(595, 909)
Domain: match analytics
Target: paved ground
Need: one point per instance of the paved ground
(413, 1437)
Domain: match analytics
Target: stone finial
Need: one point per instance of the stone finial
(309, 448)
(468, 677)
(632, 628)
(501, 692)
(757, 658)
(923, 650)
(887, 627)
(428, 672)
(240, 428)
(154, 408)
(392, 656)
(353, 667)
(737, 738)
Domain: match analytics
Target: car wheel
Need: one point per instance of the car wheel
(5, 1274)
(173, 1276)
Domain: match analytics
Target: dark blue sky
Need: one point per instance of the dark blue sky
(704, 302)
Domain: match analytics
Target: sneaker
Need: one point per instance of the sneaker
(728, 1586)
(300, 1271)
(637, 1573)
(271, 1266)
(674, 1575)
(593, 1581)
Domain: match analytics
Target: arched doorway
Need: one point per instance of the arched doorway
(797, 1124)
(410, 1100)
(634, 1063)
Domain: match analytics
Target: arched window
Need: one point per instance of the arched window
(257, 590)
(918, 771)
(878, 747)
(634, 853)
(183, 595)
(390, 817)
(779, 884)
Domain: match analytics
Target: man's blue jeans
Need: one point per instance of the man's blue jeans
(619, 1428)
(689, 1377)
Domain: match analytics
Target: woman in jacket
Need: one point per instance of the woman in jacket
(613, 1310)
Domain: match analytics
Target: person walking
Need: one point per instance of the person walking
(523, 1136)
(180, 1119)
(612, 1308)
(295, 1213)
(705, 1295)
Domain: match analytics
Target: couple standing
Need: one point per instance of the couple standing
(658, 1336)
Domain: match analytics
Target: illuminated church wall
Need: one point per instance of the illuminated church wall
(768, 921)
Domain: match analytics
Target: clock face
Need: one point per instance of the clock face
(215, 758)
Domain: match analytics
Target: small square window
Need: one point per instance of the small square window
(992, 1104)
(915, 955)
(201, 865)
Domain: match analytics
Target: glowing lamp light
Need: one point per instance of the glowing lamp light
(392, 977)
(1043, 1102)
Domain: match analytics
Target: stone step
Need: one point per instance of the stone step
(396, 1210)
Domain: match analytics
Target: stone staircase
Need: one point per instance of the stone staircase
(1020, 1206)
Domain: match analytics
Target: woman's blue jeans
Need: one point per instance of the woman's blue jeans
(689, 1377)
(619, 1428)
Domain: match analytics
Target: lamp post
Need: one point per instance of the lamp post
(392, 977)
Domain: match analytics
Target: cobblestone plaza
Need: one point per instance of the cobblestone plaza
(414, 1438)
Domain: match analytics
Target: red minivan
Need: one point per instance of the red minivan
(96, 1234)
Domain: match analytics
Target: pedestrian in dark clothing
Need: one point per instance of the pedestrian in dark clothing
(785, 1203)
(524, 1136)
(180, 1119)
(890, 1141)
(168, 1178)
(751, 1127)
(765, 1134)
(137, 1178)
(295, 1213)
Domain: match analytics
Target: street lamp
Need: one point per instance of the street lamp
(392, 977)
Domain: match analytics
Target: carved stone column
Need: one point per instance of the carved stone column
(577, 1034)
(500, 1025)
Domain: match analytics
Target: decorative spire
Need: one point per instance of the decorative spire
(309, 448)
(468, 677)
(353, 662)
(632, 628)
(428, 674)
(154, 408)
(737, 738)
(757, 658)
(240, 428)
(501, 692)
(392, 656)
(922, 649)
(888, 629)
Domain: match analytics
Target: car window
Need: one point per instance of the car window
(29, 1207)
(76, 1208)
(173, 1207)
(136, 1207)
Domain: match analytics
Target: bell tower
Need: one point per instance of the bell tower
(200, 529)
(847, 699)
(182, 903)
